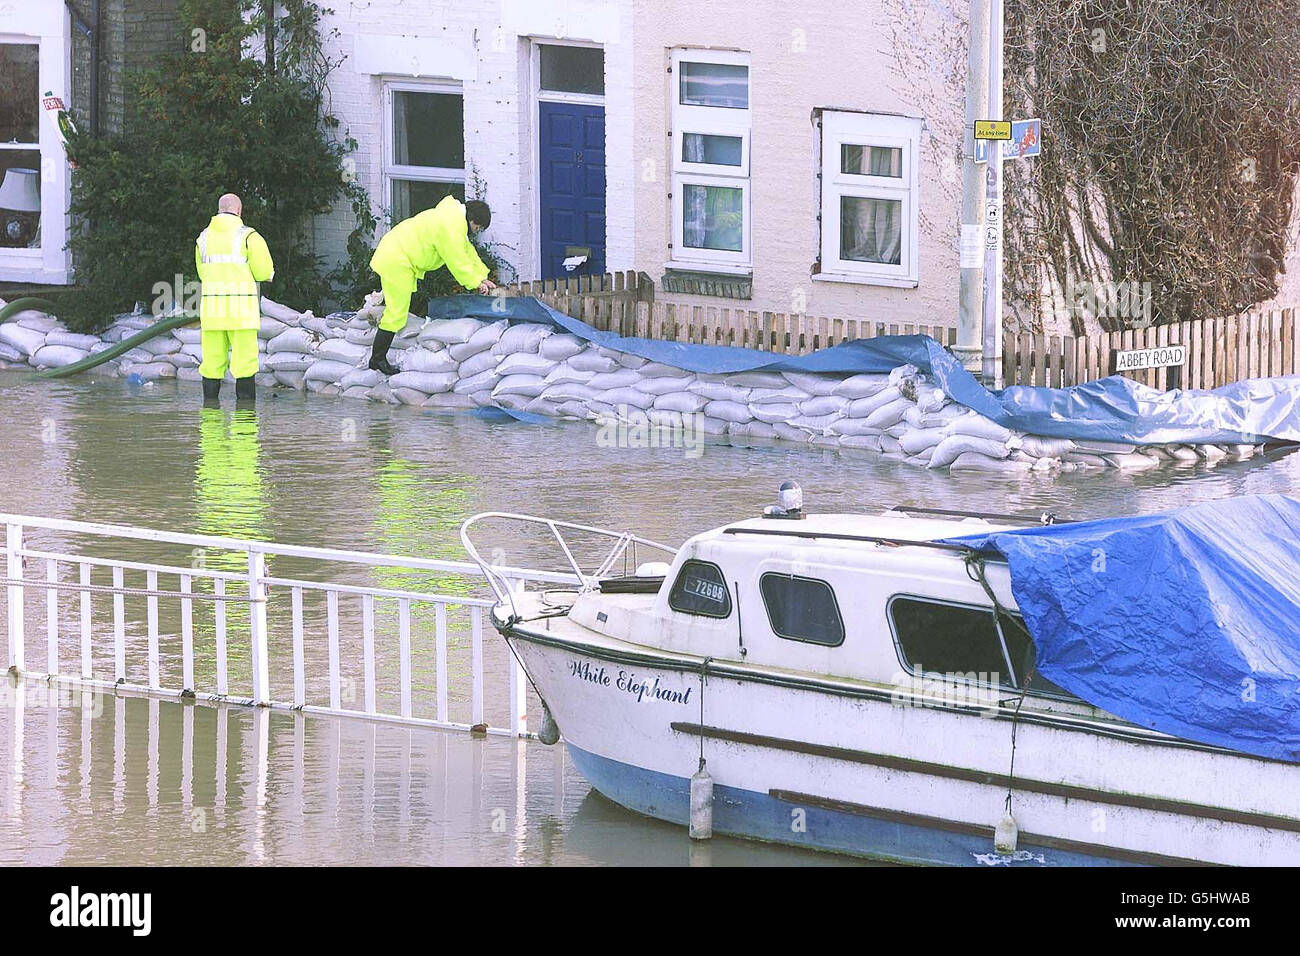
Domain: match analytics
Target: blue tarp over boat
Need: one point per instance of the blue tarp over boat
(1186, 622)
(1111, 409)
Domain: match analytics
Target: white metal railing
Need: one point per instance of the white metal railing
(249, 586)
(505, 581)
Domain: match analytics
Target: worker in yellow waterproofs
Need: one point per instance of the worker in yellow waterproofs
(427, 241)
(232, 259)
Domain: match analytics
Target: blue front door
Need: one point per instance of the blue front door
(572, 159)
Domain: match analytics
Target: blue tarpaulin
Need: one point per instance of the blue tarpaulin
(1111, 409)
(1187, 622)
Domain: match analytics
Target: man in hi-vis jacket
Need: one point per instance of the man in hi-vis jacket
(232, 259)
(434, 238)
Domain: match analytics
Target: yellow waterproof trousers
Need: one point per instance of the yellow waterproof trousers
(235, 349)
(398, 285)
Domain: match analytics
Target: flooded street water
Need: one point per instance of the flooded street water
(129, 780)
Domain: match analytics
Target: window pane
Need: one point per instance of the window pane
(713, 217)
(871, 160)
(802, 609)
(20, 105)
(949, 639)
(573, 69)
(428, 129)
(700, 589)
(871, 230)
(715, 84)
(19, 191)
(717, 150)
(411, 198)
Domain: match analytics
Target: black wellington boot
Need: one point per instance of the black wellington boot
(245, 389)
(379, 353)
(212, 391)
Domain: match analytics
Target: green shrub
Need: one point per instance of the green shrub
(206, 121)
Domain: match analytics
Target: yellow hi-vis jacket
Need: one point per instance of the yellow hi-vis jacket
(434, 238)
(232, 259)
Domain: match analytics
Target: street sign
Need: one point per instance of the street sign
(993, 129)
(1163, 357)
(1026, 141)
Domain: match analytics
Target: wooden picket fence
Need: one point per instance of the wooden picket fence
(1219, 351)
(625, 302)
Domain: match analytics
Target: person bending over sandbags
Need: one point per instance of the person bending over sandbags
(231, 259)
(436, 237)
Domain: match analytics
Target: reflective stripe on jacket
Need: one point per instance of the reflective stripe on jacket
(231, 259)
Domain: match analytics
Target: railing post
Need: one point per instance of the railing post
(257, 627)
(518, 679)
(14, 571)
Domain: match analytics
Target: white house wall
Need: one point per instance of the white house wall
(485, 46)
(822, 54)
(48, 24)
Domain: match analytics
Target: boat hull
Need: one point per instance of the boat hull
(853, 773)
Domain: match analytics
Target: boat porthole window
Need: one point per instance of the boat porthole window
(802, 609)
(700, 589)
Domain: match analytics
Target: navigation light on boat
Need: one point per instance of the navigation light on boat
(789, 502)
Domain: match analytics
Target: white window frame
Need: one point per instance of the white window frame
(709, 120)
(394, 171)
(870, 129)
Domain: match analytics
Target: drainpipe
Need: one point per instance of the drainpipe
(969, 348)
(93, 31)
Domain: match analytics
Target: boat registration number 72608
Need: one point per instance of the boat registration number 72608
(709, 590)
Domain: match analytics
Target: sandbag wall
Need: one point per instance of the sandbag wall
(468, 363)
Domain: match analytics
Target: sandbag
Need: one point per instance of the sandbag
(774, 412)
(289, 362)
(572, 409)
(269, 328)
(660, 370)
(383, 392)
(868, 442)
(557, 348)
(929, 398)
(357, 391)
(281, 312)
(150, 371)
(711, 426)
(39, 321)
(74, 340)
(625, 396)
(525, 363)
(182, 360)
(663, 385)
(569, 392)
(1038, 447)
(292, 340)
(861, 386)
(449, 401)
(819, 425)
(888, 414)
(619, 378)
(976, 425)
(814, 383)
(408, 396)
(628, 360)
(430, 383)
(933, 419)
(904, 373)
(1211, 452)
(477, 383)
(719, 391)
(856, 427)
(757, 379)
(728, 411)
(364, 337)
(564, 373)
(917, 440)
(483, 340)
(541, 405)
(451, 331)
(592, 361)
(365, 377)
(193, 335)
(683, 402)
(23, 339)
(785, 395)
(529, 386)
(524, 337)
(290, 378)
(974, 461)
(824, 405)
(10, 354)
(863, 407)
(946, 452)
(482, 362)
(340, 350)
(890, 447)
(57, 356)
(327, 370)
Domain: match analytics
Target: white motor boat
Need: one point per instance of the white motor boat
(859, 684)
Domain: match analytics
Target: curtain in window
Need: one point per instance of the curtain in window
(693, 148)
(401, 143)
(713, 218)
(871, 230)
